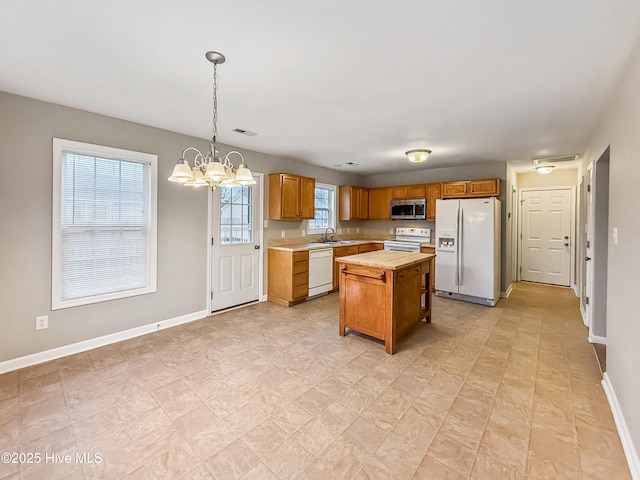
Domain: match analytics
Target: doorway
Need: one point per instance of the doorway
(547, 233)
(236, 260)
(599, 251)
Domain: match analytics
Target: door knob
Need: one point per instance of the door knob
(566, 237)
(256, 247)
(586, 259)
(566, 244)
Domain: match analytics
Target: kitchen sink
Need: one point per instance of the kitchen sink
(338, 242)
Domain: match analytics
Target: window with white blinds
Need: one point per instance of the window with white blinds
(104, 223)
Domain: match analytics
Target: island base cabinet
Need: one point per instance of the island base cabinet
(383, 304)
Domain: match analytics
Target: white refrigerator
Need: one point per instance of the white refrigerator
(468, 249)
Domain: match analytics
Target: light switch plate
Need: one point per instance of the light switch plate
(614, 235)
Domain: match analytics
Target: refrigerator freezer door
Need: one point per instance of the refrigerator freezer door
(477, 246)
(447, 245)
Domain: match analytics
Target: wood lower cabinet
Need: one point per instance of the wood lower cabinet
(434, 192)
(288, 276)
(370, 247)
(354, 203)
(382, 298)
(487, 187)
(291, 197)
(380, 203)
(431, 250)
(341, 252)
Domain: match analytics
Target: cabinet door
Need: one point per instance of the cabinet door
(380, 203)
(399, 192)
(454, 189)
(289, 196)
(489, 187)
(417, 191)
(307, 196)
(363, 205)
(434, 192)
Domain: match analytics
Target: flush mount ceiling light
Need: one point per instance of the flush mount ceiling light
(209, 169)
(419, 155)
(545, 169)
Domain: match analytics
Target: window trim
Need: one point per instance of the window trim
(61, 145)
(332, 209)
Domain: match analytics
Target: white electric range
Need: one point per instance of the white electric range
(409, 239)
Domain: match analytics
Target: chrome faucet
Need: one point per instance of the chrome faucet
(328, 239)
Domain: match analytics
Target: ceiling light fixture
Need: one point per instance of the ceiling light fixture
(209, 169)
(545, 169)
(419, 155)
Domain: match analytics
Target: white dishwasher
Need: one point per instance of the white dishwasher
(320, 271)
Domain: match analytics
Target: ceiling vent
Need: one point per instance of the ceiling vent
(244, 132)
(563, 158)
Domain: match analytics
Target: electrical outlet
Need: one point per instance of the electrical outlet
(357, 230)
(282, 233)
(304, 232)
(42, 322)
(339, 231)
(391, 231)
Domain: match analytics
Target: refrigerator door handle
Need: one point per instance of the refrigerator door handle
(460, 234)
(457, 240)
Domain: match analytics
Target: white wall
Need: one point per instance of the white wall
(620, 128)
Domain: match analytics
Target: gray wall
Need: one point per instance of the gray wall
(469, 172)
(27, 127)
(619, 128)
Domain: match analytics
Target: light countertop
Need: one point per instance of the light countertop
(300, 247)
(386, 259)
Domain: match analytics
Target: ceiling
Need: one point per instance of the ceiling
(334, 82)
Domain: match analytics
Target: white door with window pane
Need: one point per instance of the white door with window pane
(235, 248)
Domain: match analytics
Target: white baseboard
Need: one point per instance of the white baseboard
(71, 349)
(583, 314)
(507, 294)
(597, 339)
(263, 298)
(625, 437)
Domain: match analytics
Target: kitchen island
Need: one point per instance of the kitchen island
(384, 293)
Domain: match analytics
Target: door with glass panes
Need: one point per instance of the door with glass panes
(235, 247)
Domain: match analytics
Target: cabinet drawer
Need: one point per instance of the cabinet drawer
(300, 279)
(300, 291)
(408, 274)
(301, 267)
(299, 256)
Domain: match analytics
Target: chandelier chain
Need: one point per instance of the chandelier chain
(215, 107)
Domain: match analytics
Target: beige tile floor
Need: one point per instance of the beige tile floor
(267, 392)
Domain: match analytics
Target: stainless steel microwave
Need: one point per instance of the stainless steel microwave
(415, 209)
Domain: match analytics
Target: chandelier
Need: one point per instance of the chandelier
(209, 169)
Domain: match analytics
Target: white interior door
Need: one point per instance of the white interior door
(235, 246)
(587, 265)
(546, 235)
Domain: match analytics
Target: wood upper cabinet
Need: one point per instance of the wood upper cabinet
(354, 203)
(380, 203)
(434, 192)
(291, 197)
(487, 187)
(409, 191)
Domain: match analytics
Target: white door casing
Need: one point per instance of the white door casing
(235, 246)
(546, 235)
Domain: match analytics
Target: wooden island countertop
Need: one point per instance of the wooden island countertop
(384, 293)
(387, 259)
